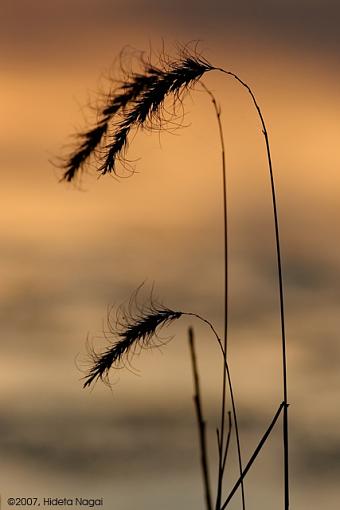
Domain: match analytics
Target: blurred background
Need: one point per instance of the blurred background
(69, 252)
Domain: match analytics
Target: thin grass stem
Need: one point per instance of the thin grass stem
(200, 421)
(253, 457)
(227, 370)
(281, 293)
(226, 449)
(226, 315)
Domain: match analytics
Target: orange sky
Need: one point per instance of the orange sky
(66, 254)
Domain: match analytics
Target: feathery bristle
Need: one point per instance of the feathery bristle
(130, 332)
(145, 111)
(139, 100)
(91, 139)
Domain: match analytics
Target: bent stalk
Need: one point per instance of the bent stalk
(281, 293)
(223, 443)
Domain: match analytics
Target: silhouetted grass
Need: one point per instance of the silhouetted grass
(135, 328)
(128, 333)
(200, 421)
(140, 103)
(91, 139)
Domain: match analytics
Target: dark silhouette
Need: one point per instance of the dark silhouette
(139, 103)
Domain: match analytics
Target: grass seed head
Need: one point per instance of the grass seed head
(138, 102)
(134, 328)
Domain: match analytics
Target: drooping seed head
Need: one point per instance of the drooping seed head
(139, 102)
(129, 333)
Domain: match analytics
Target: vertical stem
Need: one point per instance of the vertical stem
(227, 441)
(226, 367)
(222, 444)
(281, 293)
(200, 422)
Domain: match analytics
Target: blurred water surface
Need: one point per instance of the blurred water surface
(68, 253)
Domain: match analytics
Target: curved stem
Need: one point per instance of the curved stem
(227, 371)
(281, 293)
(226, 315)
